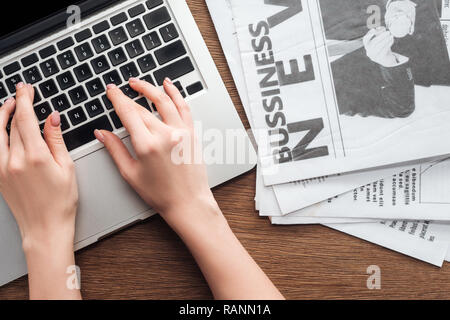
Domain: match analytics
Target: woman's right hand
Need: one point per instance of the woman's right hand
(155, 173)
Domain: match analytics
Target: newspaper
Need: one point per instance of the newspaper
(332, 94)
(267, 205)
(430, 251)
(335, 185)
(416, 194)
(312, 190)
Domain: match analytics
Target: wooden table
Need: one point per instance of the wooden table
(148, 261)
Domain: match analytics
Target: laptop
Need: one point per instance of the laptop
(69, 63)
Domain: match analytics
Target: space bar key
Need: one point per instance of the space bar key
(85, 134)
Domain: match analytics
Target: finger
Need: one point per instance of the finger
(152, 123)
(178, 100)
(16, 147)
(5, 113)
(127, 112)
(164, 104)
(26, 120)
(55, 141)
(384, 48)
(369, 36)
(118, 151)
(381, 39)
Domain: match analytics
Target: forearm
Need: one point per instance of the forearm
(227, 267)
(51, 267)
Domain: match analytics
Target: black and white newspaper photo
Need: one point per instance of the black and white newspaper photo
(343, 85)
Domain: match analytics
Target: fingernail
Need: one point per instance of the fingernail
(133, 80)
(99, 135)
(20, 85)
(111, 86)
(168, 81)
(56, 119)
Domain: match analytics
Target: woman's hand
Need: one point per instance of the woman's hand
(179, 190)
(37, 180)
(156, 172)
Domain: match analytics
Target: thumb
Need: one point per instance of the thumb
(54, 138)
(118, 151)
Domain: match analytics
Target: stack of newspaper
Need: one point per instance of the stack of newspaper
(349, 104)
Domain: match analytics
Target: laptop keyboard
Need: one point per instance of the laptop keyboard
(71, 75)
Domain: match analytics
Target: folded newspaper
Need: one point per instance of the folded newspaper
(425, 240)
(342, 85)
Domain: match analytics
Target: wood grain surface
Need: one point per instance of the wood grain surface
(148, 261)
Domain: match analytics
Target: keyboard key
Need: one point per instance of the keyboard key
(118, 19)
(83, 72)
(3, 92)
(32, 75)
(153, 3)
(134, 49)
(169, 32)
(126, 89)
(11, 68)
(178, 85)
(84, 51)
(47, 52)
(66, 43)
(85, 134)
(95, 87)
(107, 102)
(83, 35)
(146, 63)
(170, 52)
(137, 10)
(100, 27)
(78, 95)
(112, 77)
(152, 41)
(94, 108)
(117, 56)
(12, 82)
(194, 88)
(148, 78)
(100, 64)
(41, 127)
(157, 18)
(64, 123)
(77, 116)
(116, 120)
(129, 71)
(144, 103)
(29, 60)
(174, 70)
(66, 60)
(49, 68)
(65, 80)
(118, 36)
(48, 88)
(37, 96)
(135, 28)
(43, 111)
(180, 88)
(101, 44)
(61, 103)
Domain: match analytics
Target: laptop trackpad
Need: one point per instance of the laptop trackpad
(106, 199)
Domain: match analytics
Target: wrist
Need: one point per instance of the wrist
(49, 240)
(199, 214)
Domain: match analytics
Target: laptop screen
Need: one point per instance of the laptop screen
(29, 20)
(24, 13)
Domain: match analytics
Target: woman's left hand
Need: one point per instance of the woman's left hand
(37, 180)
